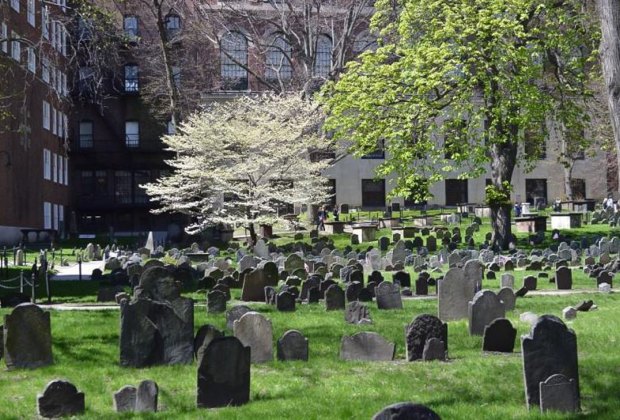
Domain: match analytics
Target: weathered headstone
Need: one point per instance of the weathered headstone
(204, 336)
(27, 337)
(146, 396)
(59, 399)
(334, 298)
(484, 308)
(125, 399)
(357, 313)
(550, 348)
(353, 290)
(508, 298)
(388, 296)
(285, 301)
(224, 374)
(507, 280)
(530, 282)
(216, 302)
(292, 346)
(564, 278)
(434, 349)
(499, 336)
(366, 346)
(558, 393)
(403, 278)
(234, 314)
(255, 331)
(422, 328)
(453, 295)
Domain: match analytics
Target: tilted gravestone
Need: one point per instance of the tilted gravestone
(59, 399)
(234, 314)
(157, 326)
(366, 346)
(507, 296)
(550, 348)
(564, 278)
(558, 393)
(27, 337)
(399, 252)
(421, 329)
(406, 411)
(388, 296)
(453, 295)
(334, 298)
(125, 399)
(204, 336)
(499, 336)
(292, 346)
(224, 374)
(484, 308)
(255, 331)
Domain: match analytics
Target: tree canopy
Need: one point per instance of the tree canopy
(454, 87)
(241, 161)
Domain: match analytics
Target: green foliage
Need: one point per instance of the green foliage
(498, 196)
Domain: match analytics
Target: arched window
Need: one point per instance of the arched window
(234, 60)
(323, 56)
(278, 60)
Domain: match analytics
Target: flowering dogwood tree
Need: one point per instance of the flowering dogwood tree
(241, 161)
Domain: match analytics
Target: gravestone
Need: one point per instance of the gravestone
(558, 393)
(292, 346)
(406, 411)
(507, 296)
(254, 286)
(376, 277)
(453, 295)
(383, 243)
(484, 308)
(388, 296)
(27, 337)
(224, 374)
(473, 271)
(403, 278)
(223, 287)
(204, 336)
(357, 313)
(314, 295)
(431, 244)
(146, 396)
(334, 298)
(530, 282)
(255, 331)
(564, 278)
(507, 280)
(285, 302)
(234, 314)
(353, 290)
(421, 329)
(499, 336)
(216, 302)
(434, 349)
(399, 252)
(125, 399)
(549, 349)
(366, 346)
(421, 285)
(59, 399)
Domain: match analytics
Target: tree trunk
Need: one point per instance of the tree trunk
(609, 12)
(253, 237)
(568, 188)
(504, 158)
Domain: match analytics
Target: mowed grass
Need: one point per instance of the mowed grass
(470, 385)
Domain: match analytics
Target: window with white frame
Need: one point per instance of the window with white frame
(54, 167)
(54, 121)
(46, 115)
(45, 69)
(86, 134)
(47, 215)
(59, 118)
(61, 216)
(65, 125)
(53, 79)
(31, 12)
(130, 26)
(63, 46)
(61, 170)
(55, 216)
(32, 60)
(15, 5)
(234, 60)
(173, 25)
(45, 24)
(279, 60)
(47, 164)
(16, 47)
(4, 34)
(66, 170)
(323, 56)
(132, 134)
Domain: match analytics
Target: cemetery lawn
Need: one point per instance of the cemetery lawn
(470, 385)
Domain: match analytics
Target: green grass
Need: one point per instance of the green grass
(470, 385)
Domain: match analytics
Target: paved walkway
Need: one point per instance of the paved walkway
(72, 272)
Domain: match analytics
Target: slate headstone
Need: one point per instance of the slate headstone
(388, 296)
(406, 411)
(146, 396)
(366, 346)
(558, 393)
(422, 328)
(59, 399)
(499, 336)
(255, 331)
(484, 308)
(334, 298)
(292, 346)
(27, 337)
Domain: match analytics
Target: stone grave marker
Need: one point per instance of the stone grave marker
(564, 278)
(366, 346)
(507, 280)
(292, 346)
(388, 296)
(508, 298)
(234, 314)
(334, 298)
(285, 302)
(499, 336)
(550, 348)
(530, 282)
(125, 399)
(224, 374)
(204, 336)
(216, 302)
(403, 278)
(434, 349)
(59, 399)
(27, 337)
(353, 290)
(484, 308)
(558, 393)
(255, 331)
(357, 313)
(146, 396)
(421, 329)
(406, 411)
(453, 295)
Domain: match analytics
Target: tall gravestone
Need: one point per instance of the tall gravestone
(27, 337)
(421, 329)
(484, 308)
(549, 349)
(254, 283)
(255, 331)
(453, 295)
(224, 374)
(157, 326)
(473, 271)
(564, 278)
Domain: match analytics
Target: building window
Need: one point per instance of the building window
(535, 144)
(61, 170)
(32, 60)
(16, 47)
(66, 171)
(130, 26)
(87, 183)
(46, 115)
(47, 164)
(54, 167)
(132, 134)
(173, 25)
(47, 215)
(234, 60)
(55, 216)
(30, 12)
(45, 70)
(323, 56)
(54, 121)
(456, 191)
(86, 134)
(45, 24)
(139, 193)
(373, 193)
(15, 5)
(131, 78)
(578, 187)
(86, 76)
(4, 34)
(122, 187)
(171, 128)
(61, 217)
(536, 191)
(279, 60)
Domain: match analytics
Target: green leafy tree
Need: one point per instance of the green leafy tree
(455, 85)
